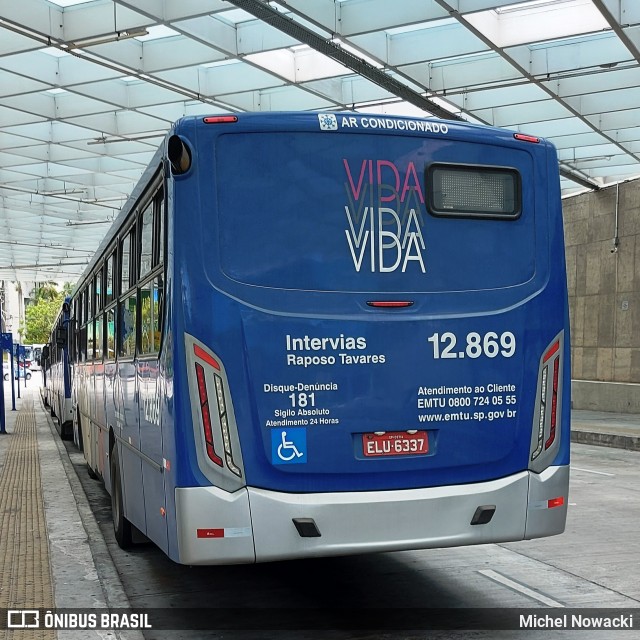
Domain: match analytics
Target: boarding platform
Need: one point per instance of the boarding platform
(50, 542)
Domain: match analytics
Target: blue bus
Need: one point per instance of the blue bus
(315, 334)
(55, 364)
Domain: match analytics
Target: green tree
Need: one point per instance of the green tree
(45, 291)
(40, 316)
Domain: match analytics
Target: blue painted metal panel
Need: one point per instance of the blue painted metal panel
(301, 222)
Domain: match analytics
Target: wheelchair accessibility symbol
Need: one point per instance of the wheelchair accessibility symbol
(289, 446)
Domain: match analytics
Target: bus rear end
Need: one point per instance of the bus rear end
(374, 328)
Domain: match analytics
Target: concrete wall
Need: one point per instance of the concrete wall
(604, 286)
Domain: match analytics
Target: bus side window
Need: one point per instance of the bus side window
(81, 309)
(127, 327)
(97, 287)
(89, 330)
(146, 240)
(99, 336)
(82, 329)
(90, 301)
(150, 315)
(109, 294)
(158, 226)
(111, 335)
(127, 278)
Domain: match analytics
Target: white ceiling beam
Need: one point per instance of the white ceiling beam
(473, 6)
(44, 17)
(12, 43)
(255, 36)
(525, 26)
(606, 101)
(532, 112)
(431, 44)
(119, 123)
(99, 19)
(36, 65)
(611, 121)
(212, 31)
(577, 140)
(600, 51)
(455, 74)
(75, 70)
(169, 11)
(602, 80)
(361, 16)
(10, 116)
(624, 12)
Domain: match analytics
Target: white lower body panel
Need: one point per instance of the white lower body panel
(256, 525)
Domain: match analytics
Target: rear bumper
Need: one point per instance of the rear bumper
(256, 525)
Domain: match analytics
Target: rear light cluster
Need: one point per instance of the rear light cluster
(548, 399)
(222, 421)
(206, 416)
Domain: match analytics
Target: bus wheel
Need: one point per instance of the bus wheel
(121, 526)
(92, 474)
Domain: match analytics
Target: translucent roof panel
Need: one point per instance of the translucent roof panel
(88, 88)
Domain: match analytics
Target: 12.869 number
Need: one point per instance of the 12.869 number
(475, 345)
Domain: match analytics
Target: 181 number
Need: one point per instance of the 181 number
(490, 345)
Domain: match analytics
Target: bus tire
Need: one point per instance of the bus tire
(121, 526)
(92, 474)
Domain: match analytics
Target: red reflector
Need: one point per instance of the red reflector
(390, 304)
(525, 138)
(554, 348)
(555, 502)
(203, 355)
(220, 119)
(210, 533)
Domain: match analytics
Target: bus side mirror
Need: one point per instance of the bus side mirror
(61, 337)
(45, 352)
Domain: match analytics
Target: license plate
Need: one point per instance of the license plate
(395, 443)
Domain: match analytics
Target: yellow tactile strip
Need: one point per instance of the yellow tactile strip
(25, 570)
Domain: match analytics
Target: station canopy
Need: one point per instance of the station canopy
(88, 88)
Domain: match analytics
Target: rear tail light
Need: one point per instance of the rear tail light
(546, 425)
(554, 405)
(206, 416)
(220, 410)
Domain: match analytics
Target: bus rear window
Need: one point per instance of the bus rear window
(473, 191)
(315, 212)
